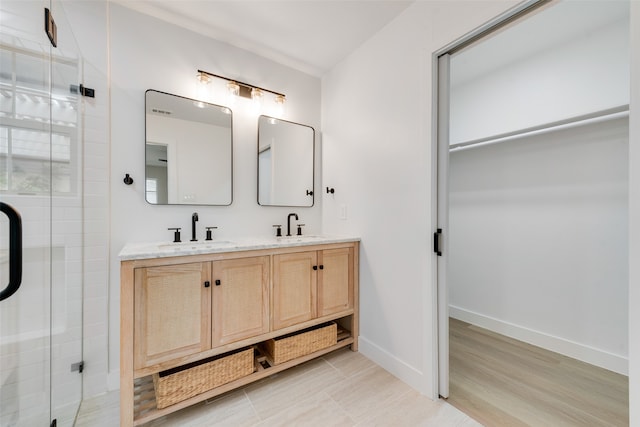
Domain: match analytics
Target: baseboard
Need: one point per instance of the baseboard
(398, 368)
(594, 356)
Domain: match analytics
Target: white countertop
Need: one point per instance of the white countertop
(133, 251)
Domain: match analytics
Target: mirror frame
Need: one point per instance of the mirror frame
(313, 166)
(231, 170)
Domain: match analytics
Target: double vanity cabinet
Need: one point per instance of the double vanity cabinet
(185, 304)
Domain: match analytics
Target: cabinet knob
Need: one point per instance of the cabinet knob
(218, 282)
(207, 284)
(315, 267)
(322, 267)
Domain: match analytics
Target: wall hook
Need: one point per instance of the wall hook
(330, 190)
(128, 180)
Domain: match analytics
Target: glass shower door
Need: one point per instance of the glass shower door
(40, 152)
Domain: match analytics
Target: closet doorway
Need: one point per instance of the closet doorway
(532, 198)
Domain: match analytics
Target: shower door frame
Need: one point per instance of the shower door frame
(53, 226)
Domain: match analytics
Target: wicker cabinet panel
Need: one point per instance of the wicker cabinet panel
(240, 304)
(294, 288)
(335, 282)
(173, 312)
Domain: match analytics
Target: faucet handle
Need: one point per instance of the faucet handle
(209, 232)
(300, 229)
(176, 234)
(278, 230)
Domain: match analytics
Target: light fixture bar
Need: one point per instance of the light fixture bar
(245, 88)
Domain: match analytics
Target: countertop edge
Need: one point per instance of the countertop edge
(137, 251)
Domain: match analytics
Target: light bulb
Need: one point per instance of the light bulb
(234, 88)
(279, 105)
(203, 78)
(234, 91)
(202, 87)
(256, 96)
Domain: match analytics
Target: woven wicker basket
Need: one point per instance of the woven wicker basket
(285, 348)
(176, 385)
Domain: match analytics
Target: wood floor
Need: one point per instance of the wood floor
(500, 381)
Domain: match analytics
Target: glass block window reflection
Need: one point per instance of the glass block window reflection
(35, 162)
(39, 134)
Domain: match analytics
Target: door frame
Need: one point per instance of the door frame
(439, 351)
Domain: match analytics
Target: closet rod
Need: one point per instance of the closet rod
(597, 117)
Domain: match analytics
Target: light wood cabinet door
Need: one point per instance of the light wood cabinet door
(240, 304)
(335, 281)
(172, 312)
(294, 288)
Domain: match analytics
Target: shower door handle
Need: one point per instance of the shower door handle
(15, 251)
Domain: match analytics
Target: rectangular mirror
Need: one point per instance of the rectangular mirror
(188, 151)
(285, 163)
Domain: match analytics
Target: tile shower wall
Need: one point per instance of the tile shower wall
(96, 234)
(89, 23)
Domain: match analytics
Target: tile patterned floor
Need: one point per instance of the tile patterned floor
(342, 388)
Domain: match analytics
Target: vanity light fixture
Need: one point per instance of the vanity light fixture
(234, 92)
(203, 77)
(203, 87)
(279, 105)
(256, 97)
(234, 88)
(245, 90)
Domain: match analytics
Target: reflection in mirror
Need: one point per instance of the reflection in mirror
(285, 163)
(188, 151)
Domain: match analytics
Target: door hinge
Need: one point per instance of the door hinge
(82, 90)
(50, 27)
(437, 242)
(77, 367)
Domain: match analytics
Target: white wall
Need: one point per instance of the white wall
(583, 75)
(538, 240)
(376, 123)
(146, 53)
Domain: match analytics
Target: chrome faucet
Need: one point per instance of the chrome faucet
(194, 218)
(289, 222)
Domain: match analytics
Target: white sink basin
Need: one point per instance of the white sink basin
(185, 246)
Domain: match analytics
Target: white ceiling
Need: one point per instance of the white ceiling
(548, 28)
(311, 35)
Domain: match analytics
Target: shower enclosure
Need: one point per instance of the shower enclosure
(41, 227)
